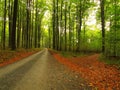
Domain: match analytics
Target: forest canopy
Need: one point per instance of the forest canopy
(68, 25)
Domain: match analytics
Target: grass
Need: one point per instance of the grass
(110, 61)
(73, 54)
(70, 54)
(107, 60)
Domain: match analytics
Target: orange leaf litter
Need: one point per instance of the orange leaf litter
(18, 56)
(96, 73)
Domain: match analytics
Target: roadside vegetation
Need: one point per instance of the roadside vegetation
(8, 56)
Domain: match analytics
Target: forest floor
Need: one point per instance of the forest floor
(40, 71)
(8, 56)
(96, 73)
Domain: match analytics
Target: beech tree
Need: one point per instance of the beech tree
(65, 25)
(4, 25)
(13, 38)
(103, 24)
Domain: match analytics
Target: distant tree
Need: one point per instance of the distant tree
(61, 24)
(53, 21)
(57, 25)
(65, 25)
(70, 27)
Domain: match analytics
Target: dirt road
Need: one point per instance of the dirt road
(40, 72)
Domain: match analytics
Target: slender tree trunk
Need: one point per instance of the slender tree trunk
(115, 28)
(13, 47)
(61, 25)
(84, 33)
(28, 20)
(10, 21)
(32, 26)
(79, 26)
(70, 27)
(23, 36)
(36, 24)
(4, 26)
(18, 30)
(103, 24)
(53, 17)
(57, 27)
(39, 33)
(65, 26)
(49, 32)
(73, 29)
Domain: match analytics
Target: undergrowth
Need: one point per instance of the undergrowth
(110, 61)
(74, 54)
(68, 54)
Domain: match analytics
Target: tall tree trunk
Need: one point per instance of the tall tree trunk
(65, 26)
(57, 26)
(10, 9)
(103, 24)
(61, 25)
(115, 28)
(70, 27)
(28, 21)
(32, 26)
(39, 33)
(13, 47)
(4, 26)
(18, 30)
(36, 24)
(73, 30)
(79, 26)
(53, 17)
(84, 34)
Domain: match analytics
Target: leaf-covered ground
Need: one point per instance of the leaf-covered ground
(8, 57)
(96, 73)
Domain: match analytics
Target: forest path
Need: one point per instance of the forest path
(40, 72)
(98, 74)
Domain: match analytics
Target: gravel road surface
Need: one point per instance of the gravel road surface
(40, 72)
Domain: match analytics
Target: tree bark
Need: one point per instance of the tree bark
(4, 26)
(53, 17)
(10, 21)
(13, 47)
(65, 26)
(103, 24)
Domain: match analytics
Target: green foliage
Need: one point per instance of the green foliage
(43, 13)
(91, 41)
(110, 60)
(72, 54)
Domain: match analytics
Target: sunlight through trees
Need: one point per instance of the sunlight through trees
(68, 25)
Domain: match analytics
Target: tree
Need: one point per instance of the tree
(70, 27)
(53, 21)
(57, 25)
(65, 25)
(10, 15)
(103, 24)
(4, 26)
(61, 24)
(13, 39)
